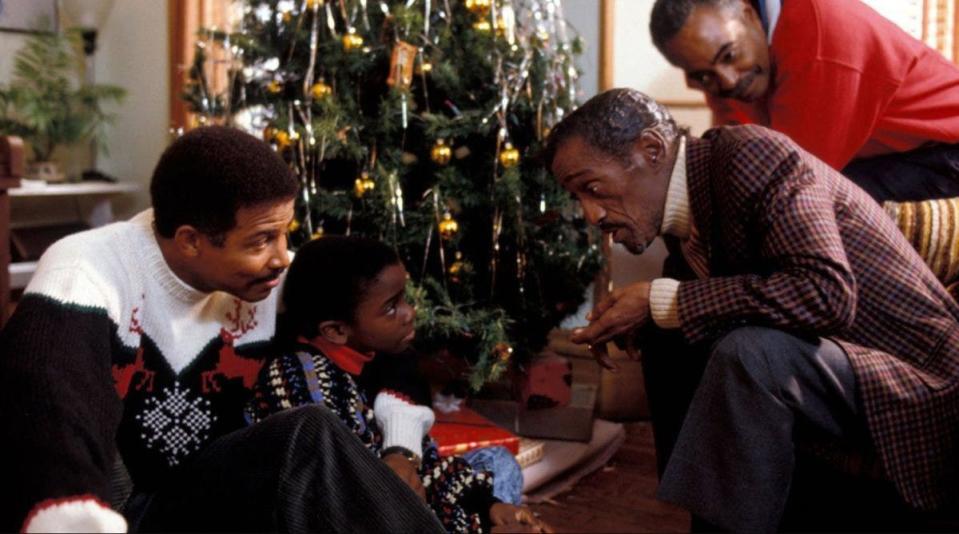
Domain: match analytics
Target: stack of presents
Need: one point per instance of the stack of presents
(554, 425)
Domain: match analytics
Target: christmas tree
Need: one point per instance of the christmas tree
(417, 122)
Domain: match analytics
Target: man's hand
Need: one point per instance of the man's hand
(406, 470)
(509, 518)
(619, 315)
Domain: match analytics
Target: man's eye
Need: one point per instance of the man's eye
(260, 242)
(592, 188)
(729, 57)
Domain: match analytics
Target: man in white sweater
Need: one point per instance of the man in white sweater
(144, 337)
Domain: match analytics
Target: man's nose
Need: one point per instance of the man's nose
(593, 212)
(281, 256)
(726, 78)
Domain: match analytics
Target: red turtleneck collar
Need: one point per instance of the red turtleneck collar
(344, 357)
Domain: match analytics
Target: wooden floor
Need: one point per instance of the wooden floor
(620, 497)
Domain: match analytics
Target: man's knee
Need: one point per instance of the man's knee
(302, 424)
(755, 352)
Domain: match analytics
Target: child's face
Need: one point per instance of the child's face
(384, 320)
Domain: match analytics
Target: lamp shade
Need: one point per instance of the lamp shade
(86, 14)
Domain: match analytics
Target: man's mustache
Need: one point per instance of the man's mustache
(270, 277)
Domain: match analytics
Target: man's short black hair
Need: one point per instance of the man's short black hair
(610, 122)
(327, 280)
(209, 173)
(669, 16)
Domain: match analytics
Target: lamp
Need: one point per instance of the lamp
(88, 16)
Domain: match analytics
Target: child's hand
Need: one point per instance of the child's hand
(406, 470)
(509, 518)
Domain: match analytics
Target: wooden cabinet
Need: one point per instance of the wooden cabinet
(11, 169)
(59, 207)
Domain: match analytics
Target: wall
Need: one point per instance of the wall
(133, 53)
(583, 17)
(9, 44)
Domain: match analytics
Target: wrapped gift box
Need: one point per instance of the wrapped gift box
(464, 429)
(572, 422)
(547, 382)
(530, 452)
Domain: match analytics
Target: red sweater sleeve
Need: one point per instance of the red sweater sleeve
(829, 109)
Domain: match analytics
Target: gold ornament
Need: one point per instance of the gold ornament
(317, 234)
(282, 139)
(502, 351)
(479, 7)
(441, 152)
(509, 157)
(274, 87)
(457, 268)
(310, 4)
(352, 41)
(448, 226)
(424, 67)
(293, 226)
(363, 185)
(320, 90)
(482, 26)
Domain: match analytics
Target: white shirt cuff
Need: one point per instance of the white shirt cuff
(664, 302)
(82, 513)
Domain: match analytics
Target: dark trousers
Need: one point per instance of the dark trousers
(300, 470)
(732, 459)
(922, 174)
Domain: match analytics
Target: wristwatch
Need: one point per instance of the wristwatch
(406, 453)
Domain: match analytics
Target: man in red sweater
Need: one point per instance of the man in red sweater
(845, 83)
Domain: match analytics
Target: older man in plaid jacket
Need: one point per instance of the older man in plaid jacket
(822, 317)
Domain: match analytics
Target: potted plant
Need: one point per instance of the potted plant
(46, 104)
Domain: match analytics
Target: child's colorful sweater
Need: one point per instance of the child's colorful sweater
(460, 496)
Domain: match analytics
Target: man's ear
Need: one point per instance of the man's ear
(748, 13)
(652, 147)
(188, 240)
(334, 331)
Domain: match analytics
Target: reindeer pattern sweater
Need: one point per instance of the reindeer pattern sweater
(107, 349)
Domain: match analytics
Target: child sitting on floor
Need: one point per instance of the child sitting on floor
(344, 301)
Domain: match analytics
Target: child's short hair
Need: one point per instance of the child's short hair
(327, 280)
(209, 173)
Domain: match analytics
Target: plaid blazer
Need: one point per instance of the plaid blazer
(792, 244)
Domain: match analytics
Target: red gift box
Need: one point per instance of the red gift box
(464, 430)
